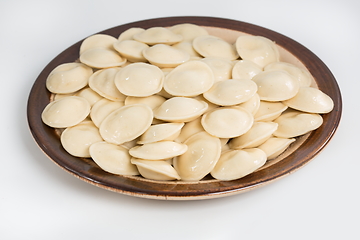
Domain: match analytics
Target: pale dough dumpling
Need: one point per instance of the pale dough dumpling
(252, 105)
(90, 95)
(126, 123)
(76, 140)
(227, 122)
(65, 112)
(257, 49)
(103, 82)
(158, 150)
(129, 33)
(276, 85)
(302, 75)
(188, 31)
(68, 78)
(311, 100)
(102, 109)
(97, 41)
(152, 101)
(274, 146)
(235, 164)
(245, 69)
(212, 46)
(112, 158)
(180, 109)
(203, 153)
(161, 132)
(165, 56)
(101, 58)
(139, 80)
(231, 92)
(156, 170)
(131, 50)
(157, 35)
(258, 134)
(222, 68)
(294, 123)
(268, 111)
(189, 79)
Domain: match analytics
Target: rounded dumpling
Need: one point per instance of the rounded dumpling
(188, 48)
(212, 46)
(101, 58)
(257, 49)
(276, 85)
(131, 50)
(129, 33)
(188, 31)
(231, 92)
(189, 129)
(161, 132)
(65, 112)
(139, 80)
(90, 95)
(152, 101)
(156, 170)
(157, 35)
(189, 79)
(245, 69)
(180, 109)
(294, 123)
(268, 111)
(102, 109)
(68, 78)
(203, 153)
(222, 68)
(126, 123)
(77, 139)
(258, 134)
(252, 105)
(165, 56)
(158, 150)
(235, 164)
(274, 146)
(97, 41)
(227, 122)
(102, 82)
(302, 75)
(311, 100)
(112, 158)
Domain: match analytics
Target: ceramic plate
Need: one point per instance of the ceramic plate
(298, 154)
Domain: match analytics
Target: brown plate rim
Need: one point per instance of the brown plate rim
(49, 143)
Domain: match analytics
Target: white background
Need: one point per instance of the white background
(39, 200)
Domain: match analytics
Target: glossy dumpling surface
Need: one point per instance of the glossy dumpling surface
(126, 123)
(76, 140)
(227, 122)
(180, 109)
(189, 79)
(257, 49)
(112, 158)
(102, 82)
(231, 92)
(312, 100)
(68, 78)
(203, 153)
(139, 80)
(235, 164)
(212, 46)
(65, 112)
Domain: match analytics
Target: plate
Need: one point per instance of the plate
(305, 149)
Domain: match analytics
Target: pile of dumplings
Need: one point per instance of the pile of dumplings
(178, 103)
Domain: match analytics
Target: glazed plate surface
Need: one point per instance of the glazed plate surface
(297, 155)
